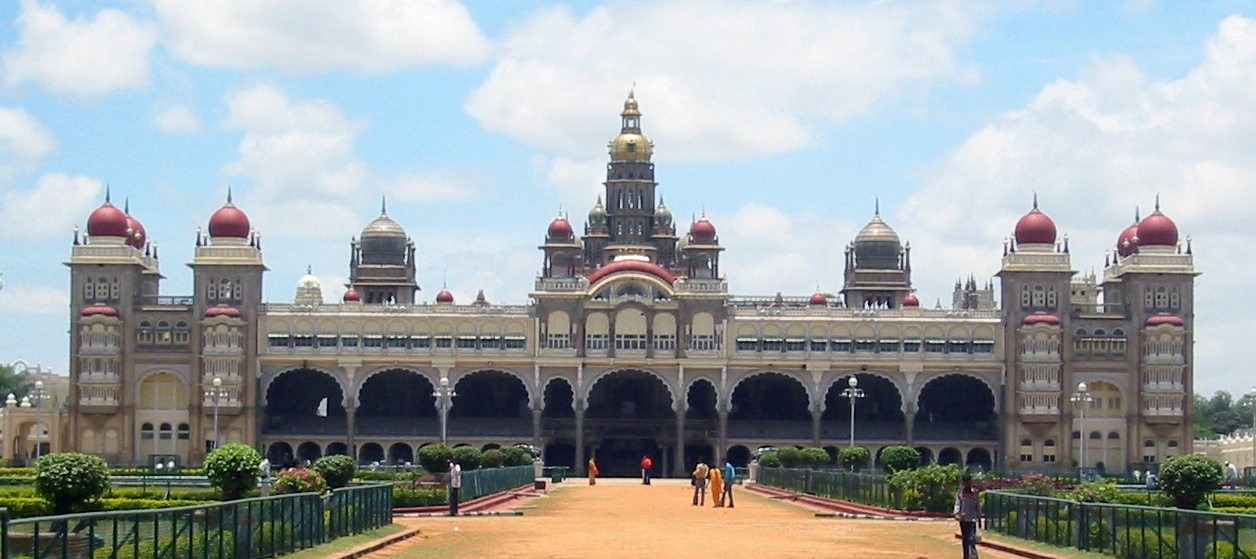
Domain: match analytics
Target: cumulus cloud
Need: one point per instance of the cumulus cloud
(715, 79)
(177, 120)
(310, 36)
(23, 142)
(80, 56)
(772, 251)
(432, 186)
(34, 300)
(58, 199)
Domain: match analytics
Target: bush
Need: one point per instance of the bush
(1148, 543)
(419, 497)
(71, 480)
(492, 458)
(468, 457)
(769, 460)
(791, 456)
(515, 456)
(271, 536)
(337, 470)
(1036, 484)
(898, 458)
(219, 543)
(233, 469)
(435, 458)
(931, 488)
(1098, 491)
(1189, 478)
(854, 457)
(300, 480)
(814, 456)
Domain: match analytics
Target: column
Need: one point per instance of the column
(581, 465)
(815, 426)
(679, 465)
(910, 422)
(351, 411)
(536, 429)
(723, 439)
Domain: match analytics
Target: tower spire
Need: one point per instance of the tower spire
(383, 204)
(107, 193)
(228, 194)
(126, 205)
(1157, 201)
(877, 207)
(1035, 200)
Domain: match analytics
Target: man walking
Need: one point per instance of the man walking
(699, 482)
(968, 512)
(646, 465)
(455, 483)
(730, 473)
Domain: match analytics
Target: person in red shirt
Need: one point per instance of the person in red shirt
(646, 465)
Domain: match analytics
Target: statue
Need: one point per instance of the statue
(265, 467)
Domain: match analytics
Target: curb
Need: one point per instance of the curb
(377, 544)
(998, 546)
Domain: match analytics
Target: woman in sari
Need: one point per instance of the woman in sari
(717, 486)
(592, 472)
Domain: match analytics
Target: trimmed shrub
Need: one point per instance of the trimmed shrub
(791, 456)
(435, 458)
(854, 457)
(931, 488)
(1189, 478)
(336, 469)
(300, 480)
(419, 497)
(898, 458)
(493, 458)
(1098, 491)
(1036, 484)
(468, 457)
(1148, 544)
(515, 456)
(814, 456)
(233, 469)
(70, 481)
(768, 460)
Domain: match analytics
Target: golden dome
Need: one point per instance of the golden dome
(631, 144)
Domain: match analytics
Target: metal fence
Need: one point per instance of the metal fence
(478, 483)
(867, 489)
(244, 529)
(1128, 531)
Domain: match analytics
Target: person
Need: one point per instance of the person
(646, 465)
(592, 472)
(716, 476)
(1138, 476)
(699, 483)
(455, 483)
(1151, 480)
(968, 512)
(730, 474)
(1231, 472)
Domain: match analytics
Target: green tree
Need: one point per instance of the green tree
(233, 469)
(853, 457)
(435, 458)
(337, 469)
(468, 457)
(898, 458)
(69, 480)
(17, 384)
(814, 456)
(1189, 478)
(790, 456)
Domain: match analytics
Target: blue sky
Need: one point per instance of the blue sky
(782, 120)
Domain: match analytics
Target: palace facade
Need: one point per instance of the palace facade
(632, 344)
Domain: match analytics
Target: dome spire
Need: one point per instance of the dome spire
(228, 194)
(1157, 201)
(1136, 218)
(383, 204)
(877, 207)
(126, 205)
(1035, 200)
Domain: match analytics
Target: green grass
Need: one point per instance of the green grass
(340, 545)
(1054, 551)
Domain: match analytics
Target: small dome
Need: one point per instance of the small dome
(702, 230)
(662, 215)
(911, 300)
(631, 144)
(480, 299)
(877, 246)
(560, 228)
(818, 299)
(1041, 318)
(107, 221)
(444, 296)
(136, 235)
(1035, 227)
(598, 211)
(229, 221)
(222, 310)
(99, 310)
(1165, 319)
(1127, 241)
(352, 296)
(1157, 230)
(309, 281)
(383, 226)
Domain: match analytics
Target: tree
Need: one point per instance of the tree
(435, 458)
(1189, 478)
(233, 469)
(790, 456)
(337, 469)
(814, 457)
(17, 384)
(70, 480)
(899, 458)
(853, 457)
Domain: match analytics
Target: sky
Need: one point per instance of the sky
(783, 121)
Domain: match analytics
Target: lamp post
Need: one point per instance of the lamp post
(215, 393)
(444, 400)
(1251, 395)
(37, 398)
(854, 393)
(1080, 399)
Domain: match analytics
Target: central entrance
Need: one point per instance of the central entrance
(628, 412)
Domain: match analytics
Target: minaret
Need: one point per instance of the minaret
(630, 189)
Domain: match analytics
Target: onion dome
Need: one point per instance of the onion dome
(309, 280)
(1157, 229)
(630, 144)
(136, 235)
(383, 241)
(444, 296)
(662, 216)
(229, 221)
(598, 212)
(702, 230)
(107, 220)
(1041, 318)
(1035, 227)
(818, 300)
(222, 310)
(352, 296)
(632, 266)
(560, 228)
(383, 226)
(1127, 241)
(99, 310)
(911, 300)
(1161, 319)
(877, 246)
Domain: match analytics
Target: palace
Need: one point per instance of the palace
(631, 344)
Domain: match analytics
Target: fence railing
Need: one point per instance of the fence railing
(866, 489)
(244, 529)
(1128, 531)
(478, 483)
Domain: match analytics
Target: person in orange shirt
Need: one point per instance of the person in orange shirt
(592, 472)
(646, 465)
(717, 486)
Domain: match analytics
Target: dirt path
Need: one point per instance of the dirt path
(622, 518)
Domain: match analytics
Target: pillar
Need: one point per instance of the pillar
(536, 429)
(351, 411)
(718, 458)
(680, 441)
(580, 459)
(815, 427)
(910, 419)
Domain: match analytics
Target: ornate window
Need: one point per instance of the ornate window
(1026, 450)
(1048, 450)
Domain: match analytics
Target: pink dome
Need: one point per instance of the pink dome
(1035, 227)
(107, 221)
(1041, 318)
(1157, 230)
(818, 299)
(229, 221)
(352, 296)
(702, 230)
(560, 228)
(632, 266)
(911, 300)
(95, 310)
(444, 296)
(1165, 319)
(222, 310)
(1127, 242)
(135, 232)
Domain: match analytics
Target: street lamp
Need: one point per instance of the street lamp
(854, 393)
(444, 400)
(215, 393)
(1080, 399)
(37, 398)
(1251, 395)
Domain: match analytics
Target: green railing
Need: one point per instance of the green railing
(244, 529)
(478, 483)
(867, 489)
(1128, 531)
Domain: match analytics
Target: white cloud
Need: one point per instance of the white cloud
(715, 79)
(429, 187)
(58, 200)
(771, 251)
(23, 142)
(37, 300)
(177, 120)
(85, 57)
(310, 36)
(301, 218)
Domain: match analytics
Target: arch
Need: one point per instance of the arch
(304, 400)
(269, 378)
(701, 399)
(953, 407)
(629, 393)
(926, 455)
(765, 395)
(337, 449)
(491, 393)
(400, 453)
(950, 455)
(310, 451)
(280, 454)
(162, 390)
(738, 455)
(979, 457)
(592, 382)
(371, 452)
(866, 379)
(558, 399)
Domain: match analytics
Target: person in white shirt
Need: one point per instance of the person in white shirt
(455, 483)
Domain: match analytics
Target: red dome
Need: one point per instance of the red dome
(560, 228)
(1035, 227)
(222, 310)
(94, 310)
(107, 221)
(818, 299)
(1165, 319)
(702, 230)
(632, 266)
(352, 296)
(1041, 318)
(229, 221)
(136, 234)
(444, 296)
(1157, 230)
(911, 300)
(1127, 242)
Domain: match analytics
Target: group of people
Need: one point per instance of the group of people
(721, 480)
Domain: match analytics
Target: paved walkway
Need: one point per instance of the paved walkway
(622, 518)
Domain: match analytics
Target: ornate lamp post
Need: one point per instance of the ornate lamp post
(854, 393)
(444, 400)
(37, 397)
(1081, 398)
(216, 393)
